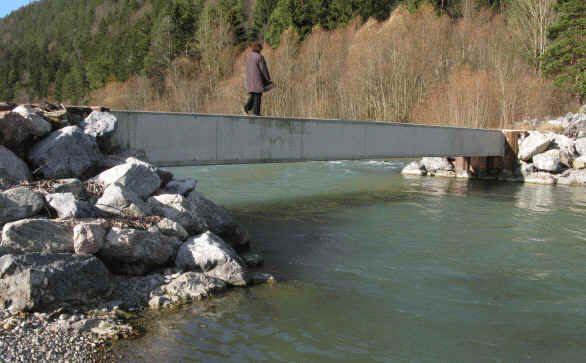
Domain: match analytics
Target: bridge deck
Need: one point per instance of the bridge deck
(179, 139)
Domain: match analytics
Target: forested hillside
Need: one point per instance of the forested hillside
(415, 59)
(63, 48)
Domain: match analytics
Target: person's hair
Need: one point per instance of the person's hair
(256, 46)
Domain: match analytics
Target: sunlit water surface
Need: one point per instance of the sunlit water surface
(374, 266)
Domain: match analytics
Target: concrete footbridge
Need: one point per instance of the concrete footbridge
(181, 139)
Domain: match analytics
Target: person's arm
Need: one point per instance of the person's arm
(264, 71)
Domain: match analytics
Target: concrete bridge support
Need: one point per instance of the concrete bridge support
(479, 166)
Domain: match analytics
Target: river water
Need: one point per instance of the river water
(374, 266)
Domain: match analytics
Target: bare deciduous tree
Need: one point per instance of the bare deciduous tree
(528, 21)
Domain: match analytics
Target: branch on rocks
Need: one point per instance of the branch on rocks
(92, 191)
(7, 107)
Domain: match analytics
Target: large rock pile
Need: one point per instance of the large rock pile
(543, 157)
(73, 216)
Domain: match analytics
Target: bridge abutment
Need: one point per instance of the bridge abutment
(485, 166)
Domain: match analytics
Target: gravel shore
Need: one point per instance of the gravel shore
(79, 334)
(75, 334)
(34, 338)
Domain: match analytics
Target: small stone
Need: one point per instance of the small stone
(463, 174)
(171, 228)
(445, 173)
(566, 158)
(257, 278)
(414, 168)
(190, 286)
(88, 238)
(252, 259)
(540, 178)
(573, 177)
(70, 185)
(580, 146)
(580, 163)
(181, 186)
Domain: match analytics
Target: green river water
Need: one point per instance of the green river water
(374, 266)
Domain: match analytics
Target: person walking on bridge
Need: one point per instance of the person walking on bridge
(258, 79)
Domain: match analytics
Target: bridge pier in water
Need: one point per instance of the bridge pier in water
(481, 166)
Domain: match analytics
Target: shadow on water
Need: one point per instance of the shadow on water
(352, 194)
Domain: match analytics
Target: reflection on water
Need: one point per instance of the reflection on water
(378, 267)
(542, 198)
(536, 198)
(437, 186)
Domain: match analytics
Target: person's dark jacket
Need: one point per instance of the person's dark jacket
(257, 73)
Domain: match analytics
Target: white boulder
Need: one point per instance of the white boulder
(18, 203)
(67, 206)
(135, 252)
(37, 235)
(65, 153)
(414, 168)
(179, 209)
(534, 144)
(548, 161)
(139, 178)
(116, 199)
(436, 163)
(210, 254)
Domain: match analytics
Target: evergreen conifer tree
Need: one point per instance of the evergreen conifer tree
(279, 21)
(303, 16)
(565, 58)
(262, 13)
(233, 10)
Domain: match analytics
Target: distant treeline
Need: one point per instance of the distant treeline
(63, 50)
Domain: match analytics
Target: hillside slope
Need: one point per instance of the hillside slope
(432, 57)
(62, 48)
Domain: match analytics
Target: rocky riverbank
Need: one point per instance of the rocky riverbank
(93, 235)
(543, 157)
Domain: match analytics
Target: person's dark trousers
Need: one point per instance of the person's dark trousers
(253, 103)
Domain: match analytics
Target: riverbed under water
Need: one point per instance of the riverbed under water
(374, 266)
